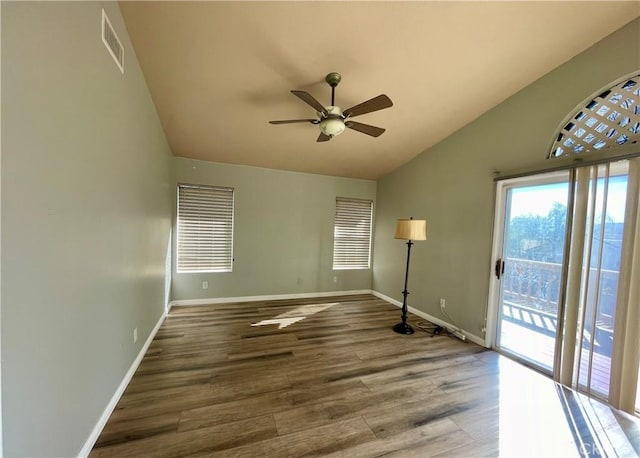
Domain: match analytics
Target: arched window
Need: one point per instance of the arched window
(608, 120)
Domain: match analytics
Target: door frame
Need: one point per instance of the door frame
(502, 188)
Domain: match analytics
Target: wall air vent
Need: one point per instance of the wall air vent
(112, 42)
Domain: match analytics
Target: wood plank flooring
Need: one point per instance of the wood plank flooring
(328, 376)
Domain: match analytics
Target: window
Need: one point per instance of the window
(352, 234)
(609, 120)
(205, 228)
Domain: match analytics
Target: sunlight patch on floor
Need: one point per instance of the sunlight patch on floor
(293, 316)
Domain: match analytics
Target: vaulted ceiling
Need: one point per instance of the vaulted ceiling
(219, 71)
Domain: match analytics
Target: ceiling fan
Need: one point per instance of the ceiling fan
(332, 120)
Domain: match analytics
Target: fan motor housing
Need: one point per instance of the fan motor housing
(332, 111)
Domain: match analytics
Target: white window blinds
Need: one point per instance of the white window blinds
(205, 228)
(352, 234)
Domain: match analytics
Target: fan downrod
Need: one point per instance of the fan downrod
(333, 79)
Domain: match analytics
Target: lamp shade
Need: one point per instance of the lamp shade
(411, 229)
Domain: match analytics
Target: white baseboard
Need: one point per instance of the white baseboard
(272, 297)
(102, 421)
(473, 338)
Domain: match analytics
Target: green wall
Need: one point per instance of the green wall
(451, 184)
(283, 232)
(88, 188)
(86, 218)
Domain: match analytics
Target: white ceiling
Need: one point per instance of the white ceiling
(219, 71)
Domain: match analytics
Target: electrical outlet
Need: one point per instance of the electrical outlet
(443, 303)
(205, 284)
(135, 335)
(335, 279)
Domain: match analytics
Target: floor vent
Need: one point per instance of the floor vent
(112, 42)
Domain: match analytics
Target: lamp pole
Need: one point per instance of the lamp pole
(404, 327)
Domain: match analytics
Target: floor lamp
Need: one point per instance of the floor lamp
(409, 230)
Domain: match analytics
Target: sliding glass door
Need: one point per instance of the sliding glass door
(604, 216)
(561, 272)
(529, 268)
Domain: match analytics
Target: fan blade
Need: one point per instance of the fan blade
(323, 138)
(309, 100)
(365, 128)
(377, 103)
(291, 121)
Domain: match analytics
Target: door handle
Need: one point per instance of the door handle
(499, 268)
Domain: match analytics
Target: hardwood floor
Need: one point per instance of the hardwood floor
(328, 376)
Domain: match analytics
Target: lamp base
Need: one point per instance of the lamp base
(403, 328)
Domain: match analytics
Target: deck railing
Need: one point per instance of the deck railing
(536, 285)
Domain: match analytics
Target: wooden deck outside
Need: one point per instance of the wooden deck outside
(328, 376)
(531, 334)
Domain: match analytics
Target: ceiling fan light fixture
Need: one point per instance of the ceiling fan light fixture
(332, 126)
(332, 120)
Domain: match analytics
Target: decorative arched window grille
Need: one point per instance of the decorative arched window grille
(609, 120)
